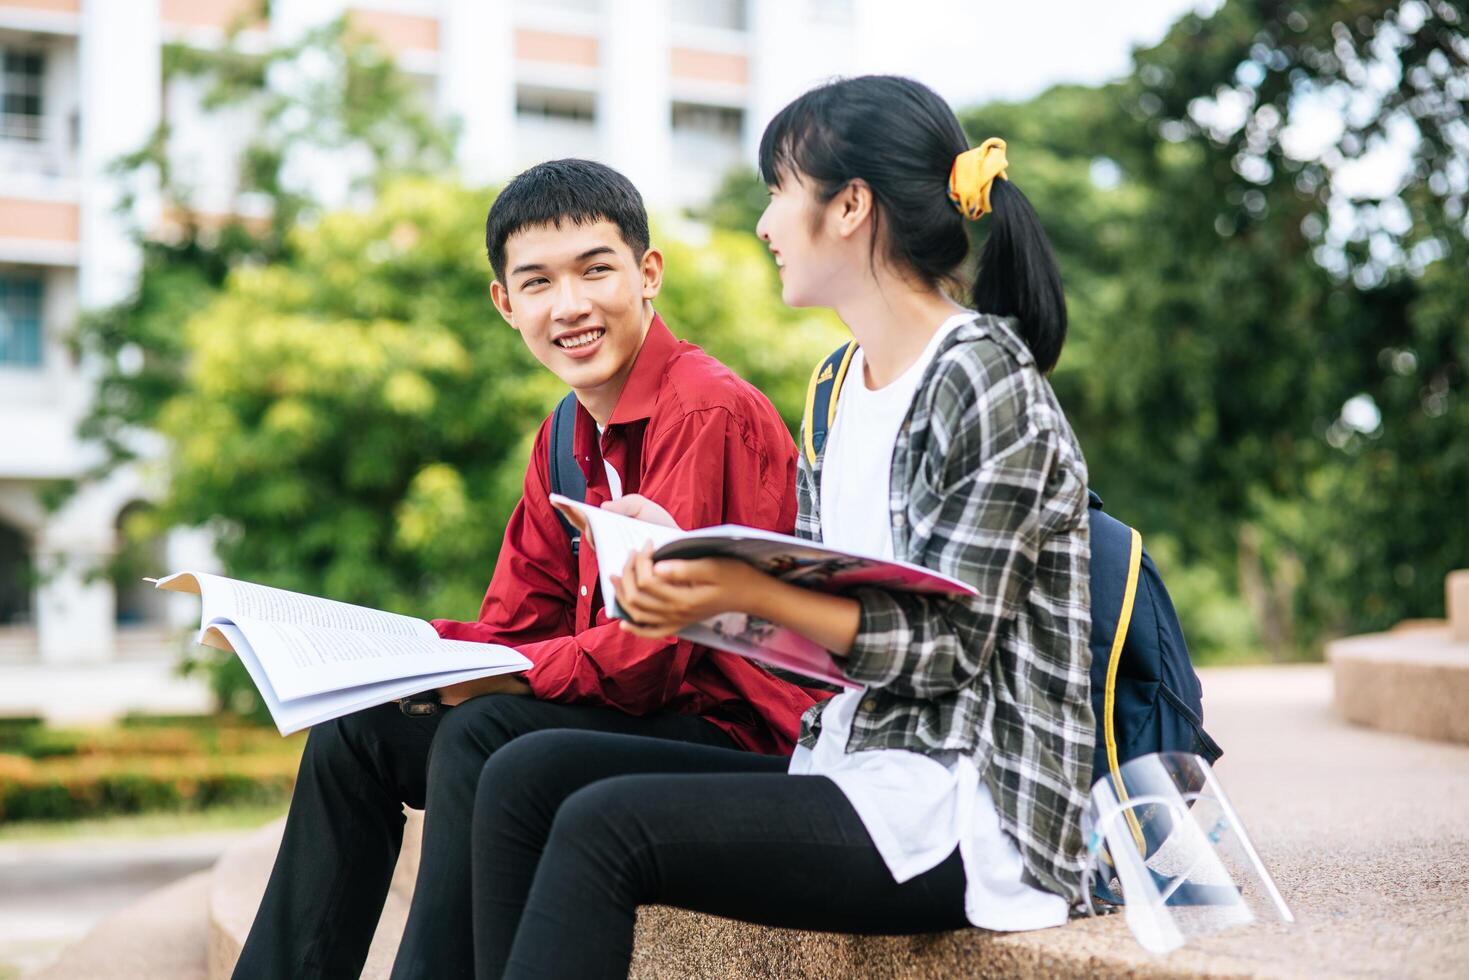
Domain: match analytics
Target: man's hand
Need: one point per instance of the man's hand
(664, 597)
(636, 505)
(498, 684)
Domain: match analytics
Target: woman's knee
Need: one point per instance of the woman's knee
(524, 777)
(600, 818)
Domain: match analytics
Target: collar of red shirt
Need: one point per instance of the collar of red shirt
(635, 404)
(640, 392)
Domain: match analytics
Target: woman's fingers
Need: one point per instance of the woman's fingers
(633, 594)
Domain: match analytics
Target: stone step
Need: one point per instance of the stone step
(162, 936)
(1414, 681)
(239, 881)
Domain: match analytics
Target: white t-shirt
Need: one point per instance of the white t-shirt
(614, 479)
(917, 808)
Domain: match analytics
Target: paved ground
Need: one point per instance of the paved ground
(52, 893)
(1367, 834)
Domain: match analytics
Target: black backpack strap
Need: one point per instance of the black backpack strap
(567, 478)
(821, 397)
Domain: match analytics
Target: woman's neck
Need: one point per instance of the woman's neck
(893, 320)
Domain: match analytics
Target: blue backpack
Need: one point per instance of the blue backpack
(1145, 693)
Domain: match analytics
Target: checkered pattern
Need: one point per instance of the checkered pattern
(989, 487)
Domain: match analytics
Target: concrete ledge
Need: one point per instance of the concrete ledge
(239, 881)
(162, 935)
(1411, 681)
(1365, 833)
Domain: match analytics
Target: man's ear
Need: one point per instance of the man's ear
(500, 296)
(853, 206)
(652, 271)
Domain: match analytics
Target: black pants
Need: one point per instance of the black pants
(574, 830)
(345, 827)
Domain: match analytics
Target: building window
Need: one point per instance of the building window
(729, 15)
(22, 75)
(708, 141)
(20, 322)
(559, 104)
(720, 122)
(552, 123)
(15, 577)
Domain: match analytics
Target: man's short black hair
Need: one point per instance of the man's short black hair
(580, 191)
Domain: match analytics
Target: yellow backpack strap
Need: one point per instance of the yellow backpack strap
(821, 398)
(1109, 703)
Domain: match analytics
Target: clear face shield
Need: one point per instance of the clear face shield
(1165, 843)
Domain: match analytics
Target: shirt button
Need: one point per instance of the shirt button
(583, 590)
(900, 519)
(869, 704)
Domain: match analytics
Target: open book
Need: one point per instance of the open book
(316, 659)
(809, 564)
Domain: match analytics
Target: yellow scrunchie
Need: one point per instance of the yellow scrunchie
(973, 174)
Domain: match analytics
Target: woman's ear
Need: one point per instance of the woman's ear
(853, 206)
(652, 272)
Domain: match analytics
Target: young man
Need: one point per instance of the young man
(575, 276)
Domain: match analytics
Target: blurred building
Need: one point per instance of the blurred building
(672, 92)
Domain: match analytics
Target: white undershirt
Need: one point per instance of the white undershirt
(614, 479)
(916, 808)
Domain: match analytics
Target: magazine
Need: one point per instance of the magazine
(809, 564)
(315, 659)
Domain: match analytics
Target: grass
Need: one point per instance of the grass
(141, 825)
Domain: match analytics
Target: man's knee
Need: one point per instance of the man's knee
(343, 741)
(478, 729)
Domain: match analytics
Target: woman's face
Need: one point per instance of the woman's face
(811, 259)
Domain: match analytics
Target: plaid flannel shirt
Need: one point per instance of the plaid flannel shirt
(988, 486)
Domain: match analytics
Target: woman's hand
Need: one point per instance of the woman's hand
(664, 597)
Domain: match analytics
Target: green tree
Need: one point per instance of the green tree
(1240, 317)
(331, 91)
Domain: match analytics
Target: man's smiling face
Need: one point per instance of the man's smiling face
(576, 293)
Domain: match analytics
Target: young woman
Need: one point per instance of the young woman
(949, 789)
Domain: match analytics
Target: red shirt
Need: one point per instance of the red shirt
(688, 433)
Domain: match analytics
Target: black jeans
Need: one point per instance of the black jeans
(345, 828)
(574, 830)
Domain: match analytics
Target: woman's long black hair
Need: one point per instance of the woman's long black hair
(900, 137)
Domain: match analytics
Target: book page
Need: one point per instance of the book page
(301, 660)
(809, 564)
(756, 639)
(228, 599)
(294, 715)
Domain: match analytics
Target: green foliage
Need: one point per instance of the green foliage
(69, 774)
(737, 204)
(331, 91)
(1228, 300)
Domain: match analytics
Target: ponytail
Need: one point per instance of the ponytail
(1018, 275)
